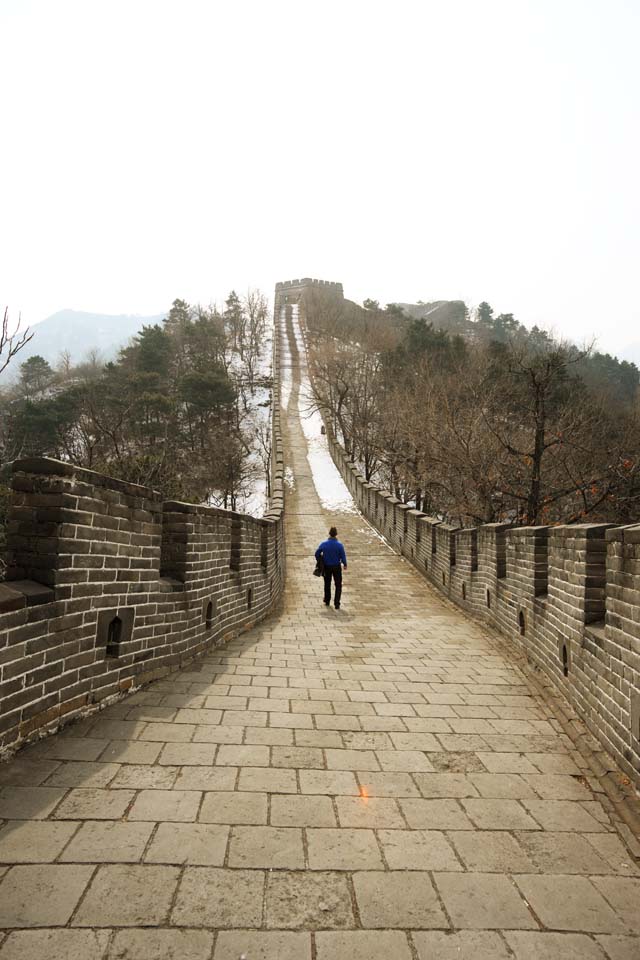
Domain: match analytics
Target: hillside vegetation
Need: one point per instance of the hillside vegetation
(474, 418)
(181, 409)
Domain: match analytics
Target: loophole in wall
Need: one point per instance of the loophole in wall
(489, 599)
(114, 637)
(565, 660)
(444, 580)
(208, 614)
(521, 623)
(249, 598)
(464, 591)
(114, 629)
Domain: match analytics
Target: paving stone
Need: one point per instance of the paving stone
(106, 841)
(152, 712)
(205, 778)
(168, 732)
(29, 803)
(562, 853)
(397, 899)
(123, 751)
(362, 945)
(463, 945)
(611, 849)
(415, 741)
(623, 893)
(397, 724)
(365, 811)
(94, 804)
(105, 729)
(69, 748)
(198, 715)
(222, 807)
(563, 815)
(620, 948)
(308, 901)
(141, 777)
(196, 844)
(558, 787)
(208, 897)
(387, 785)
(351, 760)
(499, 815)
(263, 945)
(55, 945)
(417, 850)
(302, 811)
(268, 780)
(224, 734)
(33, 841)
(343, 849)
(435, 815)
(254, 755)
(83, 773)
(491, 851)
(41, 895)
(559, 763)
(445, 785)
(452, 762)
(329, 782)
(166, 805)
(128, 896)
(569, 903)
(507, 763)
(501, 786)
(271, 847)
(297, 757)
(269, 736)
(188, 754)
(405, 761)
(553, 946)
(484, 901)
(23, 771)
(161, 945)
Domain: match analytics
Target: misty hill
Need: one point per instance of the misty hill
(79, 333)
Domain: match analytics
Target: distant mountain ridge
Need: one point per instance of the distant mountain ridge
(80, 332)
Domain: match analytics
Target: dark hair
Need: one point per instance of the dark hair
(333, 532)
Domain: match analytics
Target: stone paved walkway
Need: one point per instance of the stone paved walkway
(377, 782)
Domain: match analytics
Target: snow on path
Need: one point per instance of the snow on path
(331, 489)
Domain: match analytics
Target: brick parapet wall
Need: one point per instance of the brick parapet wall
(568, 597)
(108, 587)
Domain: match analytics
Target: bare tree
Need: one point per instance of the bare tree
(12, 341)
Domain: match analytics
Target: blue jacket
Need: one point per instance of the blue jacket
(332, 552)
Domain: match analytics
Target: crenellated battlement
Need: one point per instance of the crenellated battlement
(308, 282)
(109, 587)
(567, 596)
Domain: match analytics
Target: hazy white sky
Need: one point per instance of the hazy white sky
(475, 149)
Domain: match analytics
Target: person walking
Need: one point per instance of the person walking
(333, 556)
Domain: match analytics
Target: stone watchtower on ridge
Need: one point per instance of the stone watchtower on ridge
(293, 291)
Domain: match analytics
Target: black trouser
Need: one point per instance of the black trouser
(332, 570)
